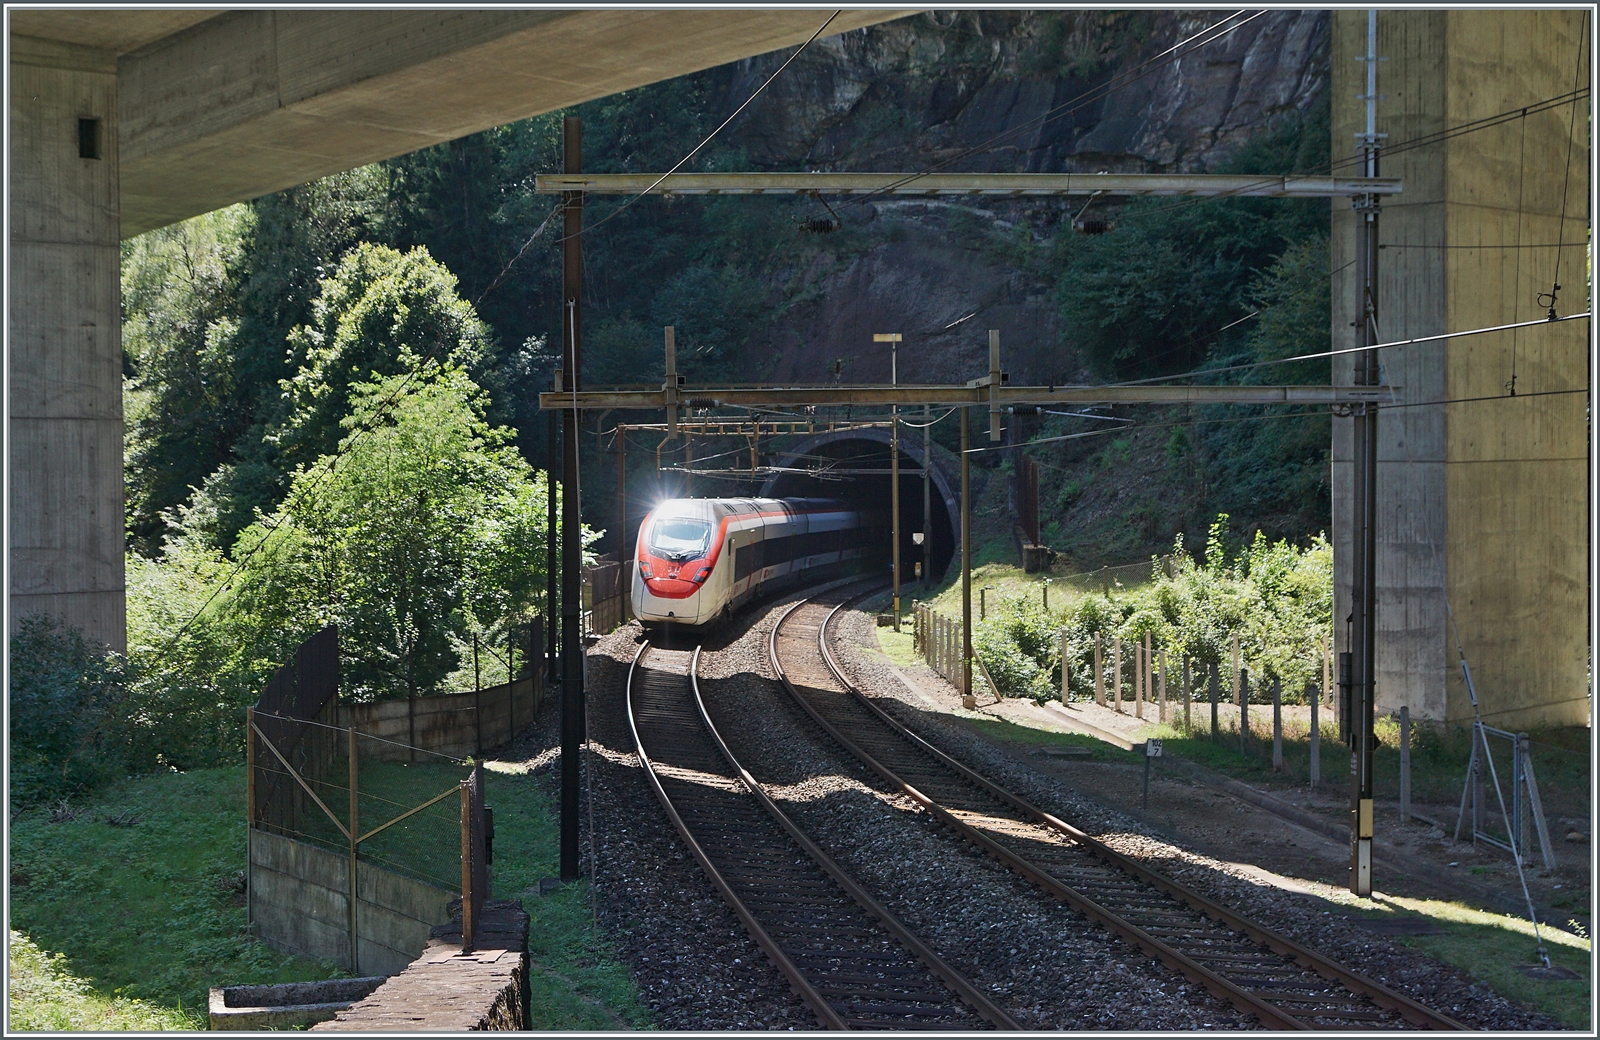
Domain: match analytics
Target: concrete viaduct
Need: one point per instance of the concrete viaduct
(128, 120)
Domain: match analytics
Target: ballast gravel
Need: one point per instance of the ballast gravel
(697, 969)
(1047, 966)
(1300, 917)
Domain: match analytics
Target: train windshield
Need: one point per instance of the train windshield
(677, 539)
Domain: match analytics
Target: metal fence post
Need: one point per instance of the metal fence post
(466, 867)
(1277, 725)
(355, 869)
(249, 817)
(1405, 766)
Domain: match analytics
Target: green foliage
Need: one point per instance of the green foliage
(380, 313)
(153, 912)
(181, 337)
(63, 701)
(150, 910)
(1276, 470)
(429, 528)
(1277, 598)
(45, 995)
(1019, 648)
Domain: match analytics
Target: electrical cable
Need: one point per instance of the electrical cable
(1422, 141)
(1516, 281)
(696, 149)
(1347, 350)
(1148, 426)
(1093, 94)
(1572, 132)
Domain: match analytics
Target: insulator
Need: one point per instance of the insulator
(1092, 225)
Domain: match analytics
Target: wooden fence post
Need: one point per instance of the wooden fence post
(1066, 668)
(1140, 670)
(1099, 669)
(1277, 725)
(1405, 775)
(1162, 713)
(1188, 726)
(1316, 740)
(1116, 673)
(1244, 708)
(1327, 674)
(1216, 683)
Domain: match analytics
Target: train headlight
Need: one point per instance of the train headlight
(644, 570)
(704, 573)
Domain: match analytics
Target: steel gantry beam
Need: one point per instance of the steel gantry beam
(952, 394)
(1272, 186)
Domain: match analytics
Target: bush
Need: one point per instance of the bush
(1276, 597)
(66, 732)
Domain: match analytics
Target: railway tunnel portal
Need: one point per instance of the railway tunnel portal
(854, 465)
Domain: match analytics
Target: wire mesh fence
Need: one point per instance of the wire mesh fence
(362, 800)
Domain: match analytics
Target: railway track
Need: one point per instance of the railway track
(1283, 984)
(847, 958)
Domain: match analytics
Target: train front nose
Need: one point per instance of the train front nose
(668, 600)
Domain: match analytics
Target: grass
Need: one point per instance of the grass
(153, 911)
(577, 981)
(148, 917)
(44, 995)
(1492, 948)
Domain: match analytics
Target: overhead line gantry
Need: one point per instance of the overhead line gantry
(991, 390)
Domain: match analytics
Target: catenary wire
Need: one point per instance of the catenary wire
(696, 149)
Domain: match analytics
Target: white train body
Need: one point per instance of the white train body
(699, 559)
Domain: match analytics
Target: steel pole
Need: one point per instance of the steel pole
(894, 510)
(1363, 593)
(571, 517)
(552, 558)
(622, 494)
(967, 699)
(927, 499)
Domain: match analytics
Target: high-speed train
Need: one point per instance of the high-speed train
(699, 559)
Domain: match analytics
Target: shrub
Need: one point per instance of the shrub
(66, 732)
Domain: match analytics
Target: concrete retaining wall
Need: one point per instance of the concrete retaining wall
(455, 724)
(300, 903)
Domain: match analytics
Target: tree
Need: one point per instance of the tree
(180, 340)
(426, 528)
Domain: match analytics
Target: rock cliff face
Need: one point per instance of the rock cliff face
(995, 91)
(932, 87)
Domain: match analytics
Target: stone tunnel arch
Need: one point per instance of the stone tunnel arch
(871, 446)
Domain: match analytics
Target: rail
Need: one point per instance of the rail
(851, 962)
(1204, 941)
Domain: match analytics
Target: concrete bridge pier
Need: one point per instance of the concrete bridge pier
(66, 509)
